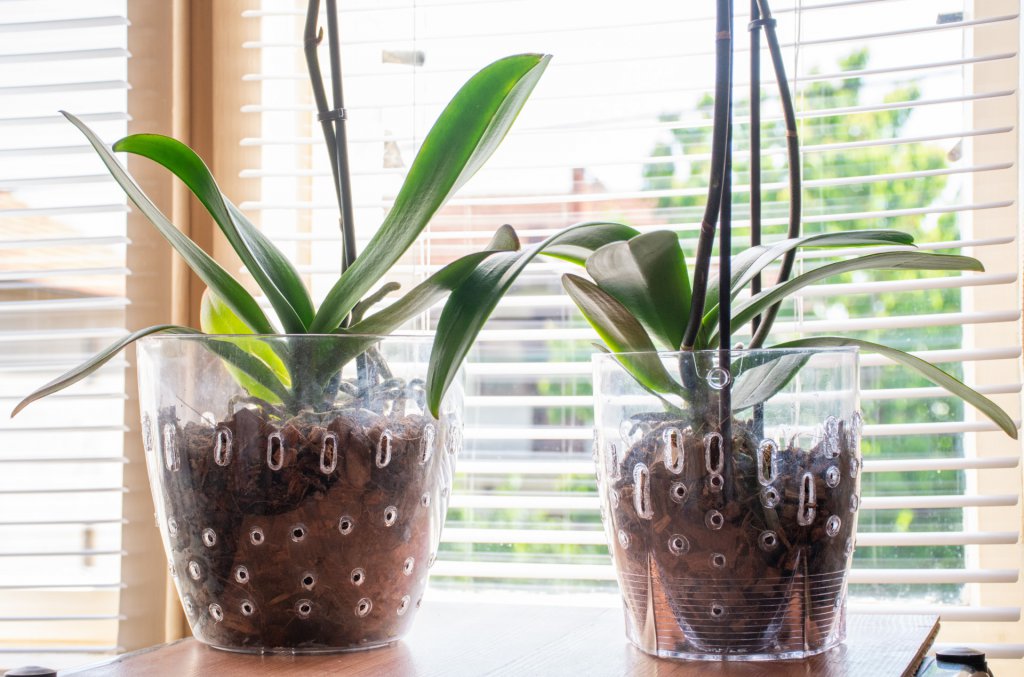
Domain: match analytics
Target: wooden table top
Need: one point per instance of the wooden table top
(459, 639)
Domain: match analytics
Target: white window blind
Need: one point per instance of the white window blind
(62, 282)
(908, 116)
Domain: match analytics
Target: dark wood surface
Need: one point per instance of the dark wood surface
(467, 640)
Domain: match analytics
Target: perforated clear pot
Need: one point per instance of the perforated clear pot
(299, 514)
(730, 499)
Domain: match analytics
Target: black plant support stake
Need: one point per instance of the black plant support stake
(755, 170)
(344, 187)
(332, 120)
(723, 92)
(793, 150)
(755, 141)
(725, 274)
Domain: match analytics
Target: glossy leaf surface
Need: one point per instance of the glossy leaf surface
(926, 369)
(621, 333)
(903, 260)
(648, 275)
(464, 136)
(268, 266)
(473, 301)
(208, 270)
(216, 318)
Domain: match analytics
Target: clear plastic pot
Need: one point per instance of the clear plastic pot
(300, 513)
(730, 504)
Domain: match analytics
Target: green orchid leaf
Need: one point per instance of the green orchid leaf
(903, 260)
(272, 271)
(670, 407)
(417, 300)
(208, 270)
(280, 268)
(424, 295)
(757, 385)
(748, 263)
(463, 138)
(215, 317)
(648, 275)
(96, 361)
(622, 332)
(473, 301)
(926, 369)
(579, 249)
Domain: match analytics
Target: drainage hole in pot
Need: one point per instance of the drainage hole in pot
(718, 560)
(363, 607)
(297, 533)
(623, 539)
(770, 497)
(674, 457)
(408, 565)
(390, 515)
(190, 607)
(427, 443)
(768, 540)
(345, 525)
(247, 608)
(716, 482)
(766, 461)
(194, 571)
(172, 526)
(256, 536)
(308, 581)
(678, 544)
(854, 502)
(383, 449)
(425, 500)
(241, 574)
(329, 454)
(216, 613)
(714, 460)
(717, 610)
(304, 608)
(832, 476)
(358, 576)
(403, 606)
(275, 451)
(222, 446)
(714, 520)
(642, 492)
(209, 537)
(848, 550)
(833, 525)
(678, 492)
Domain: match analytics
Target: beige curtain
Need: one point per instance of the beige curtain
(186, 76)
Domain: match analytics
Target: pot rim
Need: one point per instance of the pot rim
(733, 352)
